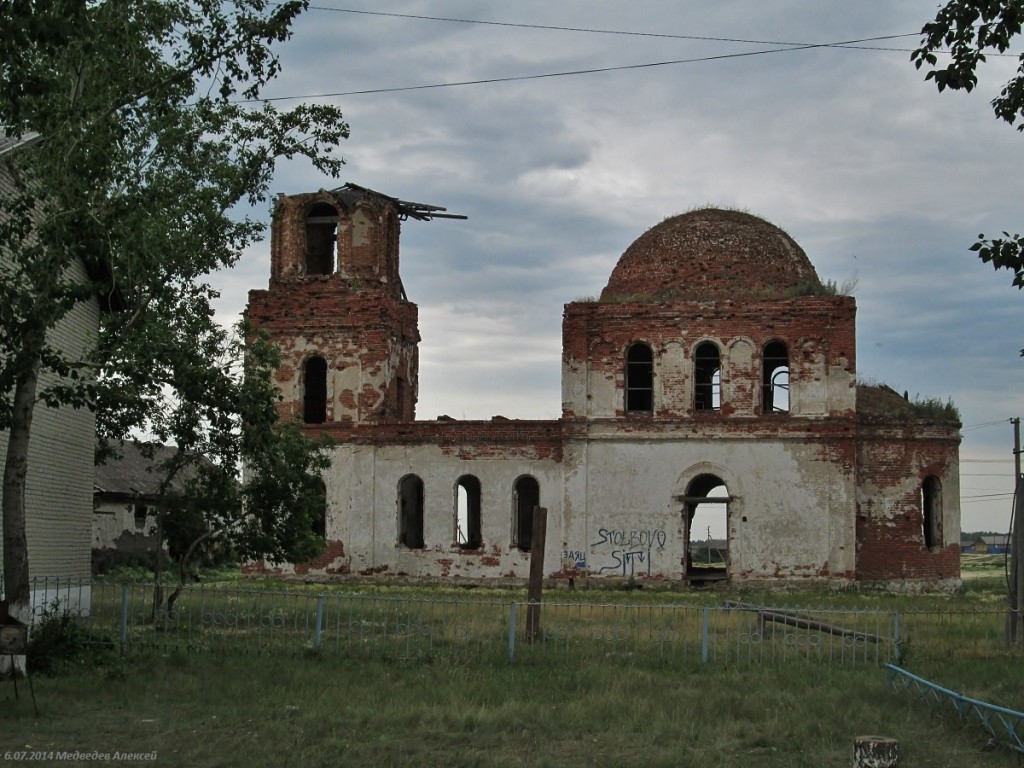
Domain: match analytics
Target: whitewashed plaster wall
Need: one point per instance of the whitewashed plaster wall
(792, 514)
(614, 506)
(362, 487)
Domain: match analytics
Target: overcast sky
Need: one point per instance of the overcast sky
(881, 180)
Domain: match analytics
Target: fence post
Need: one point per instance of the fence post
(896, 652)
(124, 618)
(512, 631)
(317, 638)
(704, 636)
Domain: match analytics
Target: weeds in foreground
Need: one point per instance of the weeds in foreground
(207, 709)
(60, 640)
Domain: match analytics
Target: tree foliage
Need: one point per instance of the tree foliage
(246, 480)
(969, 30)
(147, 150)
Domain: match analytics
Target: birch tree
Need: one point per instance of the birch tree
(149, 145)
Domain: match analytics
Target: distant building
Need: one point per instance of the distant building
(988, 544)
(715, 369)
(126, 501)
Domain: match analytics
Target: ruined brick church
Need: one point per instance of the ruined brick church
(714, 369)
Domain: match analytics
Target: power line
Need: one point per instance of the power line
(621, 32)
(590, 30)
(984, 425)
(569, 73)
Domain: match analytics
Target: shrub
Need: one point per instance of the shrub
(59, 641)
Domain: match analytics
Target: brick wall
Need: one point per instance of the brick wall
(893, 461)
(356, 318)
(819, 334)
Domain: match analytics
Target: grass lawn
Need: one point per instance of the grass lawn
(212, 710)
(616, 709)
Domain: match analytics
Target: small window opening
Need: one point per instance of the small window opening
(402, 393)
(410, 512)
(931, 511)
(318, 522)
(639, 379)
(525, 498)
(321, 239)
(708, 378)
(314, 396)
(141, 512)
(775, 379)
(467, 513)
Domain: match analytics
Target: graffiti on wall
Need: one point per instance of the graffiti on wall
(574, 558)
(628, 551)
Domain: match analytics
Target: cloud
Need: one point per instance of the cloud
(870, 169)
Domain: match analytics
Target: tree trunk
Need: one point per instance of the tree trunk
(183, 570)
(158, 566)
(875, 752)
(17, 601)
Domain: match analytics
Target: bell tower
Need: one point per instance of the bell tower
(336, 307)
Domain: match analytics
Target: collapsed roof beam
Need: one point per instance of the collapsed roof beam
(407, 209)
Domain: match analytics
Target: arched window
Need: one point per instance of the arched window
(931, 511)
(314, 391)
(525, 497)
(321, 239)
(775, 378)
(467, 513)
(318, 523)
(639, 379)
(707, 378)
(410, 512)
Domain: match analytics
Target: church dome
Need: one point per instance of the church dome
(711, 253)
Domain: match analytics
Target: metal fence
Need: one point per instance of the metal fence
(361, 622)
(1006, 726)
(367, 623)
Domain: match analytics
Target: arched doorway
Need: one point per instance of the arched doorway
(706, 518)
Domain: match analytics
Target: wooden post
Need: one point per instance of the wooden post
(1015, 592)
(540, 526)
(875, 752)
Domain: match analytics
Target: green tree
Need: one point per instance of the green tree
(145, 155)
(216, 403)
(968, 30)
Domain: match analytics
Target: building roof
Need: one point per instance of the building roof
(107, 291)
(350, 194)
(998, 540)
(133, 474)
(10, 144)
(711, 253)
(881, 404)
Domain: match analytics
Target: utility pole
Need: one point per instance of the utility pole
(536, 585)
(1015, 587)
